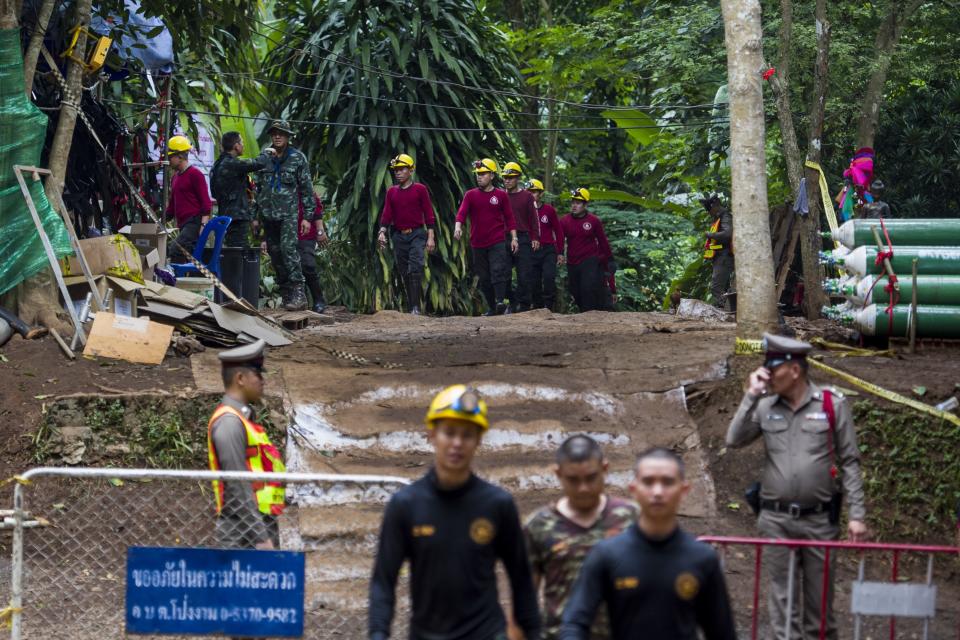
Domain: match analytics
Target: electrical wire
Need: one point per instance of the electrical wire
(386, 73)
(329, 123)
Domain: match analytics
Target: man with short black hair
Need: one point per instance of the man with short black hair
(231, 186)
(560, 536)
(657, 581)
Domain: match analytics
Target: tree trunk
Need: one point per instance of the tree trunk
(70, 103)
(886, 42)
(36, 41)
(9, 16)
(780, 84)
(756, 288)
(810, 245)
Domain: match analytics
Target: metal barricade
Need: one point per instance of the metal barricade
(72, 527)
(891, 599)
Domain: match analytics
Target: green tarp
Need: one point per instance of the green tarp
(22, 131)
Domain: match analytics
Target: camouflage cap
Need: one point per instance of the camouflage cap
(282, 126)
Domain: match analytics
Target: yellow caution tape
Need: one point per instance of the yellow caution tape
(744, 347)
(6, 614)
(827, 202)
(17, 479)
(887, 395)
(848, 351)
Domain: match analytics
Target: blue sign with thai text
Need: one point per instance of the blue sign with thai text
(232, 592)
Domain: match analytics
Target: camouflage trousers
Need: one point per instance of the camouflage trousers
(281, 237)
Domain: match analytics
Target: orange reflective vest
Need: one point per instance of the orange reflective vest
(710, 247)
(261, 456)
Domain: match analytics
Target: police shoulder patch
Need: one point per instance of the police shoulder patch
(686, 585)
(626, 582)
(423, 530)
(482, 531)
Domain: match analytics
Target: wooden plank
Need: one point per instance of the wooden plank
(130, 339)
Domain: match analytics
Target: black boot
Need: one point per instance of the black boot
(413, 294)
(298, 298)
(319, 304)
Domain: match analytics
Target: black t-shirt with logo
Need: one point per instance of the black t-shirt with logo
(654, 589)
(452, 540)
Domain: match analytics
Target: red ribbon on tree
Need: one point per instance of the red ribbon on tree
(769, 73)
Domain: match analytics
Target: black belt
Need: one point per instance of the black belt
(794, 509)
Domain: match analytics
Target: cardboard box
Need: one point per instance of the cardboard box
(131, 339)
(111, 255)
(126, 293)
(150, 261)
(145, 237)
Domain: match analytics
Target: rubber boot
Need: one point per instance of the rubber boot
(319, 304)
(298, 298)
(284, 296)
(413, 294)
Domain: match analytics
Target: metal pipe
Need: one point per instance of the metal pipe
(16, 563)
(858, 619)
(186, 474)
(893, 579)
(791, 578)
(830, 544)
(824, 594)
(756, 594)
(926, 621)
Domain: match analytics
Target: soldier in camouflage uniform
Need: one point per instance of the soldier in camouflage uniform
(229, 182)
(560, 536)
(282, 187)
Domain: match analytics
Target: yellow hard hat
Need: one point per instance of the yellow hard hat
(511, 169)
(178, 144)
(581, 193)
(402, 160)
(535, 185)
(485, 166)
(458, 402)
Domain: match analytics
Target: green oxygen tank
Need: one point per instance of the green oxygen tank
(904, 232)
(863, 260)
(932, 321)
(930, 289)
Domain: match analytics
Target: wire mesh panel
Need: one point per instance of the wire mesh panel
(78, 527)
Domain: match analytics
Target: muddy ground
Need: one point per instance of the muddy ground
(357, 392)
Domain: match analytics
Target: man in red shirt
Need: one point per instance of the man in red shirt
(189, 203)
(528, 234)
(307, 242)
(546, 258)
(408, 210)
(587, 250)
(491, 217)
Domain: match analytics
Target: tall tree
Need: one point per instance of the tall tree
(756, 300)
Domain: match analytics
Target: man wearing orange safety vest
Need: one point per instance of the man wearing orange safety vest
(246, 512)
(719, 248)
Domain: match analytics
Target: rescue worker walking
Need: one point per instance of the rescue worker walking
(491, 218)
(719, 248)
(307, 248)
(408, 210)
(528, 235)
(246, 513)
(546, 258)
(587, 250)
(189, 203)
(230, 185)
(282, 188)
(811, 447)
(560, 536)
(657, 580)
(453, 527)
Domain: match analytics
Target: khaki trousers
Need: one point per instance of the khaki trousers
(808, 575)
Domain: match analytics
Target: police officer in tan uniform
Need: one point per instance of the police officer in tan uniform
(808, 460)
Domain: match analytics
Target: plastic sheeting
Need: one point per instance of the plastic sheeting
(23, 128)
(155, 53)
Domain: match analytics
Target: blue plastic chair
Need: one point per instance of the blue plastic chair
(216, 226)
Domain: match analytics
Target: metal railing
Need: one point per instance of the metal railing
(72, 528)
(888, 599)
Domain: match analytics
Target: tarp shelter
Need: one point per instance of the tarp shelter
(23, 128)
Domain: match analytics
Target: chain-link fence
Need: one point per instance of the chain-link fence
(66, 543)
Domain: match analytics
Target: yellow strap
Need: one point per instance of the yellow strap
(846, 351)
(6, 615)
(827, 202)
(887, 395)
(747, 347)
(17, 479)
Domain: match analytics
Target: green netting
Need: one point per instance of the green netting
(23, 128)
